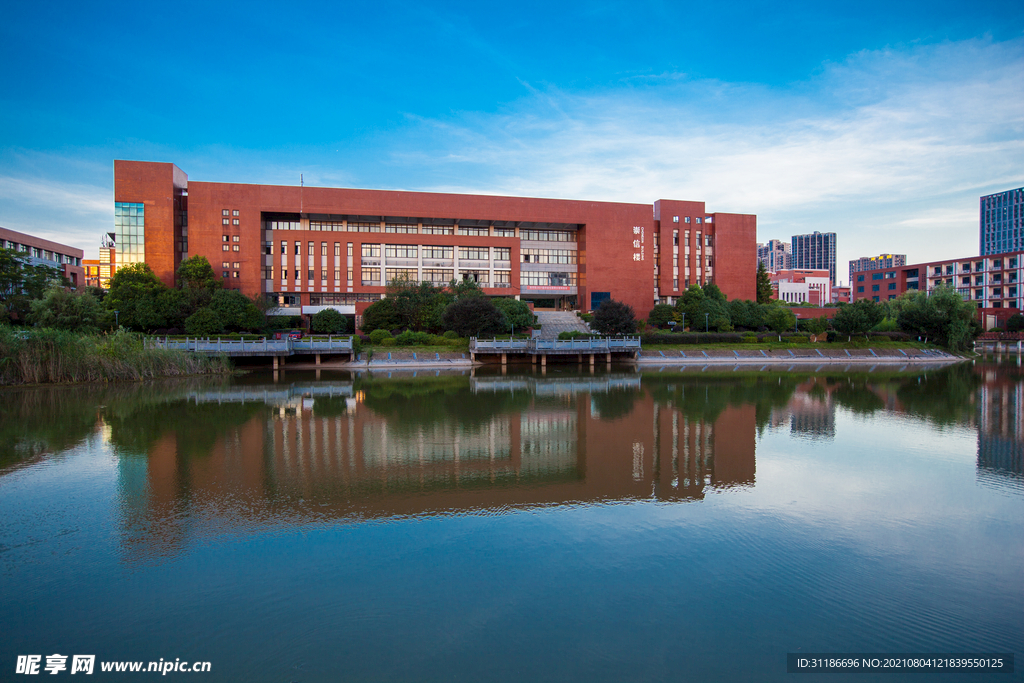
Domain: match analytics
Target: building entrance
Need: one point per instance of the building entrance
(552, 303)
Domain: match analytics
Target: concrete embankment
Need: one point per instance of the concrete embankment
(777, 357)
(790, 356)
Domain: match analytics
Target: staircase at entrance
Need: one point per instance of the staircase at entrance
(553, 322)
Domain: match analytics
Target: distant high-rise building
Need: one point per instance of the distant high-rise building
(816, 251)
(876, 262)
(775, 255)
(1002, 222)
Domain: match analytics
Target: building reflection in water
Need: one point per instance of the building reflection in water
(1001, 428)
(239, 457)
(375, 449)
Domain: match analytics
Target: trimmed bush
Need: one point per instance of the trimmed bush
(378, 336)
(388, 341)
(450, 334)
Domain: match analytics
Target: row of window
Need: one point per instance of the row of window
(396, 251)
(566, 256)
(44, 254)
(395, 228)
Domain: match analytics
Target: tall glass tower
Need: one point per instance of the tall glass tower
(816, 251)
(1002, 222)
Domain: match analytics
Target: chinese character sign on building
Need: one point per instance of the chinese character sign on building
(638, 243)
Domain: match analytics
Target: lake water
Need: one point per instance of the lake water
(670, 525)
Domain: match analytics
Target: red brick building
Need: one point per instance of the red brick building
(313, 247)
(992, 282)
(40, 252)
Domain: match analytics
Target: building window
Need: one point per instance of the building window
(309, 275)
(225, 264)
(474, 232)
(234, 274)
(337, 274)
(337, 248)
(224, 221)
(502, 254)
(371, 276)
(437, 276)
(504, 232)
(311, 247)
(323, 274)
(225, 248)
(224, 274)
(437, 252)
(401, 228)
(234, 221)
(474, 253)
(234, 212)
(438, 229)
(234, 247)
(224, 212)
(860, 278)
(298, 248)
(371, 251)
(892, 285)
(400, 250)
(234, 238)
(402, 274)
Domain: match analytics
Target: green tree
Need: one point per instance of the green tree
(818, 325)
(203, 322)
(381, 315)
(474, 316)
(614, 317)
(517, 313)
(713, 292)
(943, 316)
(135, 293)
(66, 310)
(195, 272)
(858, 317)
(661, 315)
(236, 311)
(1015, 323)
(328, 321)
(780, 319)
(21, 283)
(764, 284)
(747, 314)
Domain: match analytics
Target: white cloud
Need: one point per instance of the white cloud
(69, 213)
(877, 148)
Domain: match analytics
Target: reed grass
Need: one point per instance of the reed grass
(56, 356)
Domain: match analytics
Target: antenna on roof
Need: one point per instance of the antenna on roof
(301, 183)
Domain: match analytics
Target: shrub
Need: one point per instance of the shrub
(203, 322)
(450, 334)
(388, 341)
(410, 338)
(797, 339)
(357, 343)
(378, 336)
(614, 317)
(518, 313)
(328, 321)
(473, 317)
(661, 315)
(381, 315)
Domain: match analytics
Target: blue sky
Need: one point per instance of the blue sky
(883, 122)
